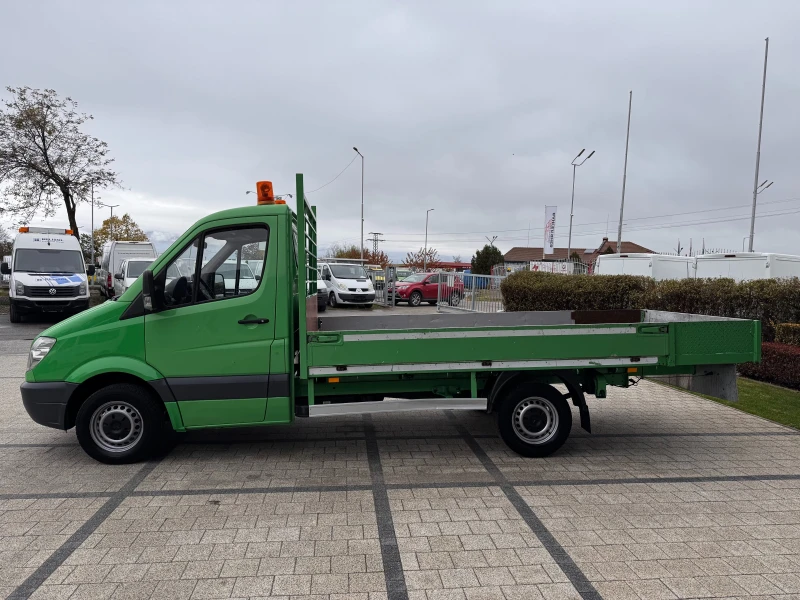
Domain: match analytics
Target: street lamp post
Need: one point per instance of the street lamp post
(92, 233)
(362, 202)
(425, 252)
(764, 185)
(758, 148)
(572, 202)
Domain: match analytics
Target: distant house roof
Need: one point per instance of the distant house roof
(454, 265)
(588, 255)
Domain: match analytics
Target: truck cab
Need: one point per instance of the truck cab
(47, 273)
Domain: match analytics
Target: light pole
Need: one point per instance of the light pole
(92, 234)
(111, 220)
(362, 202)
(758, 148)
(624, 174)
(425, 252)
(759, 189)
(572, 202)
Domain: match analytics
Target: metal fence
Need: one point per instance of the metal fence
(463, 292)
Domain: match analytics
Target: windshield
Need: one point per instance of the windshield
(348, 271)
(136, 268)
(35, 260)
(228, 271)
(415, 278)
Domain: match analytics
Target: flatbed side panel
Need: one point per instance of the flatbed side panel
(481, 345)
(716, 342)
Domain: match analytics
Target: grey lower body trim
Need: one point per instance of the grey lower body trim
(398, 405)
(235, 387)
(46, 402)
(496, 365)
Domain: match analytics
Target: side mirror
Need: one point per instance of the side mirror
(4, 269)
(90, 270)
(118, 276)
(258, 277)
(327, 276)
(151, 300)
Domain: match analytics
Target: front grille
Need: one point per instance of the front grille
(43, 291)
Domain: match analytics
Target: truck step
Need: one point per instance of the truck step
(396, 405)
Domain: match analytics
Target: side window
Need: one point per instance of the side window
(224, 271)
(176, 282)
(433, 279)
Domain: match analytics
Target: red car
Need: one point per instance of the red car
(424, 287)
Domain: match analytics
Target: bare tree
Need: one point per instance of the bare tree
(45, 158)
(456, 258)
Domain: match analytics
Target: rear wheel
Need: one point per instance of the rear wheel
(13, 314)
(322, 306)
(415, 299)
(121, 423)
(455, 299)
(534, 419)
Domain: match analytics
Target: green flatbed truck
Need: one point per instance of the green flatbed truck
(186, 348)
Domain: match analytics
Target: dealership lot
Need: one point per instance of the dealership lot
(672, 496)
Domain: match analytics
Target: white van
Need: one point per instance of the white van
(658, 266)
(111, 259)
(745, 266)
(129, 271)
(347, 283)
(47, 273)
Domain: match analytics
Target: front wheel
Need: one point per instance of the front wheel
(534, 419)
(332, 300)
(121, 423)
(415, 299)
(13, 314)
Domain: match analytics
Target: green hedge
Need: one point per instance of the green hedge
(780, 364)
(788, 333)
(771, 301)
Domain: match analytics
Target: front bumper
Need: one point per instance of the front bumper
(356, 298)
(25, 305)
(46, 402)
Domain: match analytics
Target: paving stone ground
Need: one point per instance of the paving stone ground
(672, 496)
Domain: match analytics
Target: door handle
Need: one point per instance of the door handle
(253, 321)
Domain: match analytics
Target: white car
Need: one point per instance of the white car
(247, 281)
(129, 271)
(347, 284)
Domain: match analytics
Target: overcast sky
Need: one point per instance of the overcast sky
(474, 109)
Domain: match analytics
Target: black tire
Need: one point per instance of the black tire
(534, 419)
(13, 314)
(332, 300)
(322, 307)
(108, 421)
(455, 299)
(415, 299)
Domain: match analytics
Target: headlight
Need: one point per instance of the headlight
(341, 286)
(82, 289)
(369, 284)
(39, 349)
(20, 289)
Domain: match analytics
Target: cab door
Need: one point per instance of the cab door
(212, 339)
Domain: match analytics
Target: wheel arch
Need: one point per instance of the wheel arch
(569, 379)
(97, 374)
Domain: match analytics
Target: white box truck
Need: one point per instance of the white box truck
(658, 266)
(111, 258)
(46, 273)
(746, 266)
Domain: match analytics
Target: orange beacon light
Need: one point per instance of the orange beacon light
(264, 192)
